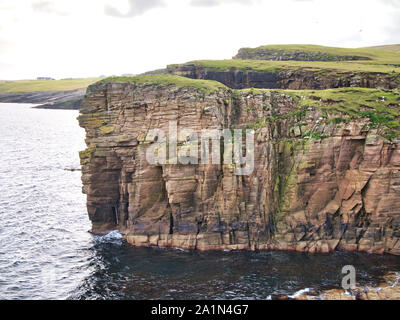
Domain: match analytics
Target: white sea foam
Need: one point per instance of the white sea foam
(299, 293)
(111, 237)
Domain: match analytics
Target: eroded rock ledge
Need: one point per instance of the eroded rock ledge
(327, 172)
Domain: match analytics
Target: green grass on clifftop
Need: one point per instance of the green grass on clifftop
(351, 101)
(318, 66)
(50, 85)
(167, 80)
(379, 54)
(380, 107)
(390, 48)
(222, 65)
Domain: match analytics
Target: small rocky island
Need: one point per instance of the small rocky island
(326, 154)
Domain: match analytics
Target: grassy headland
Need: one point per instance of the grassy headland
(168, 79)
(384, 59)
(41, 85)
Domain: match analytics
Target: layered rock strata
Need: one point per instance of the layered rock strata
(317, 185)
(295, 79)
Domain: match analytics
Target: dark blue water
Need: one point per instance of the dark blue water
(47, 253)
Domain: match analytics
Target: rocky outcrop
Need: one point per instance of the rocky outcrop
(318, 185)
(293, 55)
(300, 79)
(47, 99)
(388, 290)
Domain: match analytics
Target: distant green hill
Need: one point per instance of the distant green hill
(383, 59)
(50, 85)
(390, 48)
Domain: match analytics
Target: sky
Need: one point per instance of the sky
(89, 38)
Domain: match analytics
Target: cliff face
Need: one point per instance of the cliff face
(320, 182)
(299, 79)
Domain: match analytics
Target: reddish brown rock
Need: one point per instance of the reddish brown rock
(317, 195)
(388, 290)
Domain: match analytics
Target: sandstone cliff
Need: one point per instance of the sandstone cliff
(326, 176)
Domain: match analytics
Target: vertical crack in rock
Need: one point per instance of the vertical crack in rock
(171, 223)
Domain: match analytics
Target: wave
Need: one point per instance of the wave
(299, 293)
(112, 237)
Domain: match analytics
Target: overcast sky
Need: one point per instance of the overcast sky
(84, 38)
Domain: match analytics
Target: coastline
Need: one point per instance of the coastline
(389, 289)
(59, 100)
(199, 243)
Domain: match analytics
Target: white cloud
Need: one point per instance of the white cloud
(213, 3)
(48, 7)
(136, 8)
